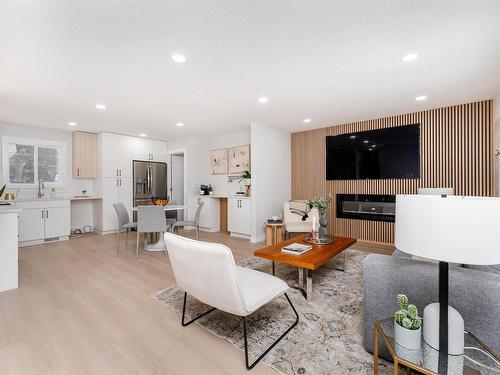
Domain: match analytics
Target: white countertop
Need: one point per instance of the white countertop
(72, 198)
(222, 196)
(9, 209)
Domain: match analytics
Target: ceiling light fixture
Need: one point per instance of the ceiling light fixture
(366, 141)
(71, 123)
(352, 137)
(178, 58)
(142, 135)
(102, 107)
(410, 57)
(307, 121)
(263, 99)
(420, 98)
(180, 124)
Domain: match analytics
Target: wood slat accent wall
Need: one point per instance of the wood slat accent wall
(455, 151)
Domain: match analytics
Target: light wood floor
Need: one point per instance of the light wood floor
(83, 309)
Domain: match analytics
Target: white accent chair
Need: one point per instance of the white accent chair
(208, 273)
(293, 222)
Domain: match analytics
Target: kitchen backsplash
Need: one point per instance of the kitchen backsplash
(72, 188)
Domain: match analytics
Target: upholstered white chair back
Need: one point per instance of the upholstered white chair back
(207, 272)
(294, 223)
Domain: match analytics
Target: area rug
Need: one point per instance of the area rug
(328, 338)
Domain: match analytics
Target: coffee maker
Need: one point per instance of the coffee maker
(204, 190)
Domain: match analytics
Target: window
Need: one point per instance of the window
(26, 161)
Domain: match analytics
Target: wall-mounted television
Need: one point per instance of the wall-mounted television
(374, 154)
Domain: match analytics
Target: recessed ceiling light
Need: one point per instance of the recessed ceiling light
(180, 124)
(366, 141)
(142, 135)
(263, 99)
(178, 58)
(307, 121)
(71, 123)
(101, 106)
(420, 98)
(410, 57)
(352, 137)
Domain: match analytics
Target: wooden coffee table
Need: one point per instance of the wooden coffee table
(308, 262)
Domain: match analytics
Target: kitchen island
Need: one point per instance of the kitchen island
(8, 247)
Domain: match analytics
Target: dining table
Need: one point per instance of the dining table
(160, 245)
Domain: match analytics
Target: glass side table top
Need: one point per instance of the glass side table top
(477, 358)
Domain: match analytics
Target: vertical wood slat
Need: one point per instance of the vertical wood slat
(455, 151)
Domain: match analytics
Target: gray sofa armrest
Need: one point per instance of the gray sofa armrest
(475, 294)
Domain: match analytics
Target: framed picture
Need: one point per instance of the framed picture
(239, 159)
(218, 161)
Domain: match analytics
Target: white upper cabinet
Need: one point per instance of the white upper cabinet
(151, 150)
(125, 153)
(109, 154)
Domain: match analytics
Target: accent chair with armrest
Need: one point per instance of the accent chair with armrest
(208, 273)
(293, 223)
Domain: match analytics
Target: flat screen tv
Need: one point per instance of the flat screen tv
(375, 154)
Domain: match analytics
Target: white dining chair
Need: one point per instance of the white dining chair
(208, 273)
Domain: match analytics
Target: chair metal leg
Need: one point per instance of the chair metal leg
(251, 366)
(197, 228)
(184, 324)
(137, 245)
(118, 245)
(126, 238)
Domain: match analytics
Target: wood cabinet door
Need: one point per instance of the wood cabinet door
(84, 155)
(31, 224)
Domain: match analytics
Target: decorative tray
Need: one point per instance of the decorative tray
(320, 241)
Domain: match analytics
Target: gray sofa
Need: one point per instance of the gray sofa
(475, 294)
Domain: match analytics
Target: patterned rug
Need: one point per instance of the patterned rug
(328, 338)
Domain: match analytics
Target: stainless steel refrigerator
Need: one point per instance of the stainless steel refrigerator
(150, 179)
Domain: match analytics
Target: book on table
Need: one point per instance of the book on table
(296, 248)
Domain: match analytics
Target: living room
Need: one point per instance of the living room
(250, 187)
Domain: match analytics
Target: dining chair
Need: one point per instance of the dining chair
(171, 215)
(190, 223)
(123, 222)
(150, 219)
(207, 272)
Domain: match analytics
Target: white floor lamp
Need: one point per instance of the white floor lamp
(449, 229)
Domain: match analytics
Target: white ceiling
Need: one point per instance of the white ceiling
(331, 61)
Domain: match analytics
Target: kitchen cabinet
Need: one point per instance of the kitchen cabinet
(43, 220)
(116, 153)
(114, 190)
(149, 150)
(84, 161)
(239, 216)
(209, 215)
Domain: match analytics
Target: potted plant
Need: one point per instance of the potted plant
(2, 189)
(407, 324)
(321, 203)
(245, 178)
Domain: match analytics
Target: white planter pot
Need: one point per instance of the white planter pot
(407, 338)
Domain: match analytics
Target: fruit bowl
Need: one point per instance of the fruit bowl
(160, 201)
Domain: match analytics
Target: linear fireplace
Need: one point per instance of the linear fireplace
(366, 207)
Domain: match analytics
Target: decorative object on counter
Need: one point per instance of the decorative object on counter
(84, 192)
(321, 203)
(2, 189)
(246, 177)
(210, 190)
(218, 161)
(239, 159)
(160, 200)
(407, 324)
(204, 190)
(10, 197)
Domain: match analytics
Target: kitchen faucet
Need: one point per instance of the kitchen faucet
(40, 187)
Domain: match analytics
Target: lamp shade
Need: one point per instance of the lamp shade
(451, 229)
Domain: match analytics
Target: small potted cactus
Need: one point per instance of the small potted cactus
(407, 324)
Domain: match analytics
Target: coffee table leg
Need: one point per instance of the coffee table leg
(343, 263)
(309, 290)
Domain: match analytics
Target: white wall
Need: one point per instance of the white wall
(496, 143)
(271, 175)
